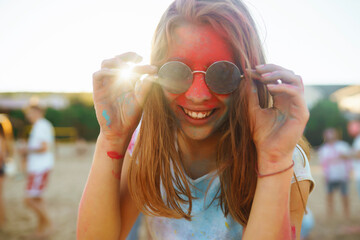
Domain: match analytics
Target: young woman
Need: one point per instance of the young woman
(217, 146)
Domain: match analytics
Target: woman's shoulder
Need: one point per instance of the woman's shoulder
(302, 169)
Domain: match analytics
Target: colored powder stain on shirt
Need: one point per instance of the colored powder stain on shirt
(107, 117)
(227, 225)
(210, 220)
(175, 231)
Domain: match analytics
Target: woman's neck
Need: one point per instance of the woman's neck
(199, 156)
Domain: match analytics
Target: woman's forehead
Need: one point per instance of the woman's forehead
(199, 42)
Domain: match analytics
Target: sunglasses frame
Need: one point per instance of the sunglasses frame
(216, 89)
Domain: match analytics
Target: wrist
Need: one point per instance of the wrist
(114, 143)
(273, 163)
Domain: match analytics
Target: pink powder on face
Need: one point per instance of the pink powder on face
(199, 51)
(199, 46)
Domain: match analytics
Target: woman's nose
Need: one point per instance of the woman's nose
(198, 91)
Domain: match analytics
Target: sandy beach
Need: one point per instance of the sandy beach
(69, 176)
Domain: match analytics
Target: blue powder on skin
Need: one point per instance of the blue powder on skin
(107, 117)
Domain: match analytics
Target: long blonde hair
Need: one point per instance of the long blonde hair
(157, 181)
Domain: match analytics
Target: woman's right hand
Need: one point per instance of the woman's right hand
(118, 104)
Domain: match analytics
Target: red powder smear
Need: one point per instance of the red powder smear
(132, 141)
(114, 155)
(293, 232)
(287, 233)
(198, 46)
(116, 175)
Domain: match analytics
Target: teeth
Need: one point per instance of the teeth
(197, 115)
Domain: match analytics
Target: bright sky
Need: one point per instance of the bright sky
(57, 45)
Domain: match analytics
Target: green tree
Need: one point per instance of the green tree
(323, 115)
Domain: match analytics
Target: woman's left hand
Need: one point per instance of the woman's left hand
(277, 130)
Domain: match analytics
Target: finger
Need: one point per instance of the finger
(140, 71)
(110, 78)
(289, 89)
(145, 69)
(105, 72)
(264, 68)
(129, 57)
(112, 63)
(104, 77)
(142, 88)
(285, 76)
(252, 73)
(292, 91)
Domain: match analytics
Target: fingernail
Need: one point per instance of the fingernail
(271, 85)
(260, 66)
(266, 74)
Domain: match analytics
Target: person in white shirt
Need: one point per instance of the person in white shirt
(356, 161)
(40, 161)
(335, 158)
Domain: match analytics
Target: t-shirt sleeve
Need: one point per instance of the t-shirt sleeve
(356, 143)
(302, 167)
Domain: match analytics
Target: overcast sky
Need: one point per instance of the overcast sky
(56, 45)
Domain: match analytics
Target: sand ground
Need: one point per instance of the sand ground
(69, 176)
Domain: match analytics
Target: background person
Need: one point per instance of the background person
(6, 154)
(335, 159)
(40, 160)
(3, 155)
(356, 156)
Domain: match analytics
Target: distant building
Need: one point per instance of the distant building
(11, 101)
(347, 97)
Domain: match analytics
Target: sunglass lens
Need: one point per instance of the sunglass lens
(175, 77)
(223, 77)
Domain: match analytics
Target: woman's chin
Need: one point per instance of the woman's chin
(197, 133)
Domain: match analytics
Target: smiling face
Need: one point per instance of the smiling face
(199, 111)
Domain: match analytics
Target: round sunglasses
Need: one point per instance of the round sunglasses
(221, 77)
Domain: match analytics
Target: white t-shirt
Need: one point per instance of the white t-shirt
(356, 162)
(335, 167)
(42, 131)
(208, 220)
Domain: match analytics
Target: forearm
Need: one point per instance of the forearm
(99, 210)
(270, 214)
(41, 149)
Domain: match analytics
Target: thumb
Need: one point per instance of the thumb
(142, 88)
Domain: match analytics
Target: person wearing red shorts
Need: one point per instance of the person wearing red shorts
(40, 160)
